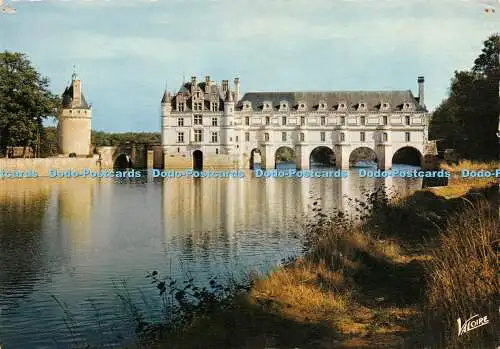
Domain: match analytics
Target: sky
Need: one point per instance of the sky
(127, 51)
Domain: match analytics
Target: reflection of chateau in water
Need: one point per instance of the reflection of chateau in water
(75, 198)
(196, 212)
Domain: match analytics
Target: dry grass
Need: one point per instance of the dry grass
(471, 165)
(464, 276)
(361, 287)
(459, 186)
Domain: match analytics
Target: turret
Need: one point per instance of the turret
(74, 122)
(166, 103)
(227, 130)
(166, 108)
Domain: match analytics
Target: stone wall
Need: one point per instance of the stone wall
(209, 162)
(43, 165)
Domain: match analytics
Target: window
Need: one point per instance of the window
(214, 121)
(407, 120)
(180, 137)
(362, 136)
(407, 136)
(268, 120)
(342, 120)
(283, 136)
(198, 120)
(247, 120)
(342, 137)
(178, 150)
(302, 137)
(200, 106)
(180, 122)
(384, 120)
(180, 107)
(197, 136)
(214, 137)
(384, 137)
(214, 106)
(302, 120)
(266, 137)
(323, 136)
(323, 121)
(247, 137)
(283, 120)
(216, 150)
(237, 138)
(362, 120)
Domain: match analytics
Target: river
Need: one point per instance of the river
(69, 247)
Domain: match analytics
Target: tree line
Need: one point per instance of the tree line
(467, 120)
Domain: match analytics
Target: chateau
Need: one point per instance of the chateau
(206, 125)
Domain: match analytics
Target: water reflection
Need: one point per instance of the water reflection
(75, 239)
(22, 210)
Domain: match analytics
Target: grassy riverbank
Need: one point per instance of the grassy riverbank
(400, 279)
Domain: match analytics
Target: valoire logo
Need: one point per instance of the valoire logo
(472, 323)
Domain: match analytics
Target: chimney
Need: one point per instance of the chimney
(420, 81)
(225, 85)
(237, 89)
(193, 81)
(207, 84)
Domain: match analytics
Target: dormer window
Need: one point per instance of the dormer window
(384, 106)
(362, 106)
(266, 106)
(247, 105)
(342, 106)
(406, 106)
(283, 105)
(321, 105)
(301, 106)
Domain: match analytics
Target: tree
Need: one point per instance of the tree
(25, 101)
(467, 120)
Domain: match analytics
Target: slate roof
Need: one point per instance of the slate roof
(67, 99)
(352, 99)
(185, 90)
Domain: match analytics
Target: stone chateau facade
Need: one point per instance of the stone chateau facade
(206, 125)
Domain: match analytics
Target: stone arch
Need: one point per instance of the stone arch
(122, 161)
(407, 155)
(197, 160)
(255, 154)
(284, 156)
(322, 156)
(363, 157)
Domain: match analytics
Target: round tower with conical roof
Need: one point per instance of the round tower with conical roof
(74, 125)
